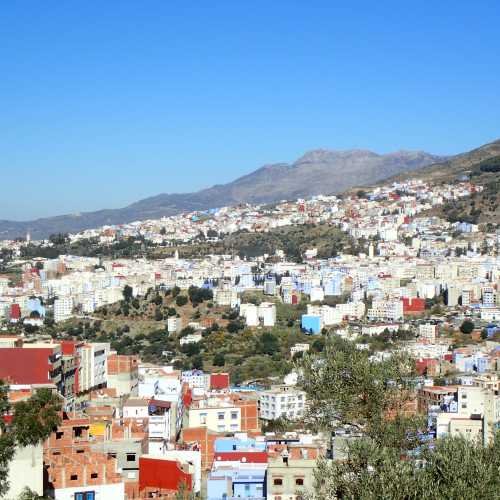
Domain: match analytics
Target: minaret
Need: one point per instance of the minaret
(28, 236)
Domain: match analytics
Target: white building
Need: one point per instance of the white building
(251, 314)
(390, 310)
(282, 401)
(93, 366)
(490, 313)
(193, 338)
(25, 471)
(355, 309)
(298, 348)
(115, 491)
(174, 324)
(267, 313)
(215, 414)
(63, 308)
(196, 379)
(427, 331)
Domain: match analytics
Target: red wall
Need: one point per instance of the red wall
(413, 305)
(25, 366)
(164, 474)
(15, 311)
(219, 381)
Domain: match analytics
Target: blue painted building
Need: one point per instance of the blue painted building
(333, 285)
(34, 305)
(237, 483)
(311, 323)
(235, 444)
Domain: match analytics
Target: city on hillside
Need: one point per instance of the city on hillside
(178, 370)
(249, 250)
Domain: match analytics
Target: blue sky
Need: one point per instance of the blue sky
(104, 103)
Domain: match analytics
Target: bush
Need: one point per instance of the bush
(219, 359)
(181, 300)
(467, 327)
(268, 344)
(235, 326)
(191, 349)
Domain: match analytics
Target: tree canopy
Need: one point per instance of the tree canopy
(391, 457)
(33, 421)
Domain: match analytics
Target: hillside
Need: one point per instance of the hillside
(480, 208)
(482, 166)
(452, 167)
(316, 172)
(293, 240)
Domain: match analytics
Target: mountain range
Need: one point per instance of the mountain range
(318, 171)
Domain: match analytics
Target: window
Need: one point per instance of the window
(111, 455)
(130, 457)
(221, 415)
(80, 451)
(59, 435)
(221, 428)
(94, 475)
(234, 415)
(299, 481)
(464, 405)
(77, 432)
(85, 495)
(277, 481)
(73, 477)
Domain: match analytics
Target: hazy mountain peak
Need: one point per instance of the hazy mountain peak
(319, 171)
(330, 155)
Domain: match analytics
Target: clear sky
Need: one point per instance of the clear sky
(106, 102)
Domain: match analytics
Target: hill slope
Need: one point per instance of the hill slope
(462, 164)
(317, 172)
(482, 166)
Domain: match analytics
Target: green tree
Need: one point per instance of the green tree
(28, 494)
(191, 349)
(158, 314)
(388, 460)
(345, 388)
(219, 359)
(235, 325)
(467, 327)
(197, 362)
(33, 421)
(128, 293)
(455, 469)
(181, 300)
(268, 344)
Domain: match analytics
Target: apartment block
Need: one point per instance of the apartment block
(282, 401)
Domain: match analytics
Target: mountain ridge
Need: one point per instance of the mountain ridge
(317, 171)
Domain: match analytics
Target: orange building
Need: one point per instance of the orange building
(205, 439)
